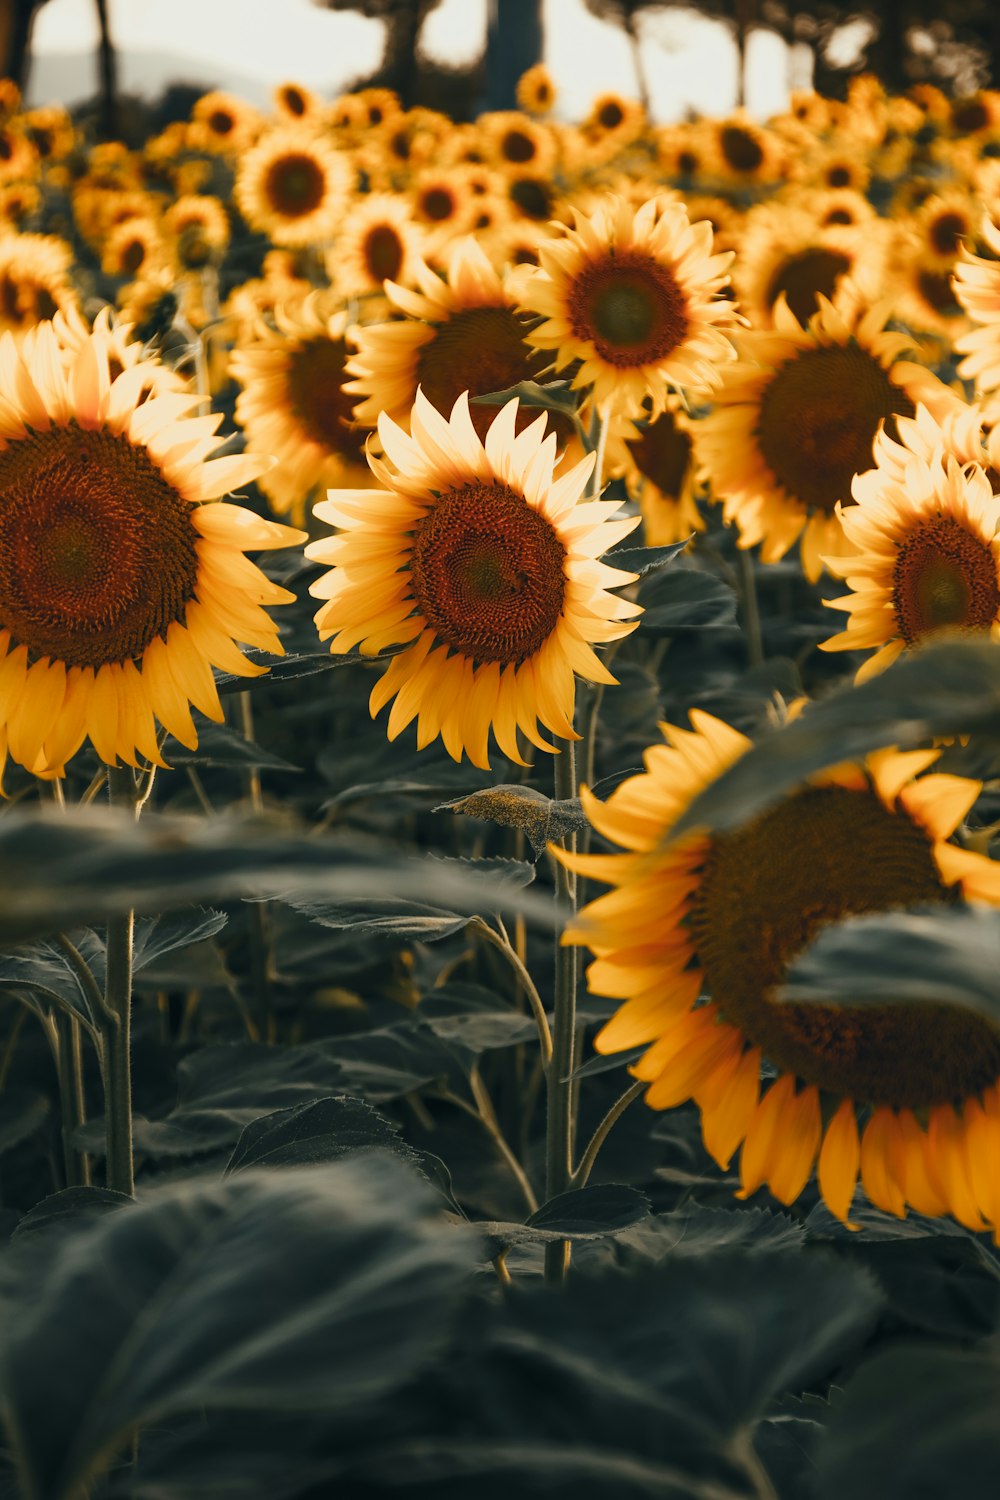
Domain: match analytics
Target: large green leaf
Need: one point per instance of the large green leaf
(314, 1289)
(322, 1131)
(915, 1423)
(948, 689)
(947, 954)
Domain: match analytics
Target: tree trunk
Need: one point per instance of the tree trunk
(107, 75)
(514, 44)
(635, 42)
(17, 17)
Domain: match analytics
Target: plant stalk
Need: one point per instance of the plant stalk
(117, 1020)
(751, 613)
(560, 1091)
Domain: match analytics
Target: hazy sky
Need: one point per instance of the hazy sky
(254, 44)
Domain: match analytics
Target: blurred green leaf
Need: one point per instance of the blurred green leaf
(76, 1206)
(218, 745)
(310, 1290)
(586, 1213)
(683, 599)
(951, 688)
(915, 1422)
(322, 1131)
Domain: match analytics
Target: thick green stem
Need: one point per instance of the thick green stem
(561, 1095)
(71, 1097)
(751, 614)
(117, 1020)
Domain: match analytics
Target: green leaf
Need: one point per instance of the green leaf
(293, 665)
(75, 1206)
(685, 599)
(218, 745)
(589, 1213)
(515, 806)
(369, 916)
(322, 1131)
(915, 1422)
(608, 1064)
(558, 395)
(694, 1231)
(952, 688)
(645, 561)
(63, 872)
(316, 1289)
(943, 955)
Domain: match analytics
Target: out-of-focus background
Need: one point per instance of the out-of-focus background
(140, 62)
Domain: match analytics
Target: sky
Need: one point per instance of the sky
(252, 45)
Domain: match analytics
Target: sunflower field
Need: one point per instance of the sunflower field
(500, 724)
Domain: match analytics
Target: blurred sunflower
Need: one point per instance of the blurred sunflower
(293, 102)
(223, 123)
(729, 912)
(293, 186)
(656, 459)
(377, 242)
(485, 568)
(18, 154)
(120, 585)
(612, 123)
(293, 404)
(134, 248)
(19, 202)
(515, 143)
(784, 252)
(536, 90)
(197, 226)
(634, 297)
(34, 280)
(795, 420)
(442, 204)
(973, 114)
(977, 289)
(926, 532)
(742, 151)
(943, 222)
(461, 332)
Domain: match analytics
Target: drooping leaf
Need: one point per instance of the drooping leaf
(218, 745)
(587, 1213)
(947, 689)
(941, 954)
(314, 1289)
(645, 561)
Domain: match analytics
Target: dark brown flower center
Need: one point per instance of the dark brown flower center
(317, 397)
(944, 578)
(663, 454)
(806, 276)
(741, 149)
(295, 185)
(479, 350)
(610, 115)
(131, 256)
(97, 549)
(294, 100)
(438, 204)
(487, 573)
(767, 890)
(383, 252)
(947, 232)
(630, 307)
(936, 289)
(221, 122)
(969, 115)
(839, 176)
(533, 197)
(517, 146)
(818, 420)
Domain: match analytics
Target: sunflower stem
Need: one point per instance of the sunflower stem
(560, 1091)
(599, 440)
(258, 919)
(117, 1019)
(751, 614)
(69, 1056)
(600, 1135)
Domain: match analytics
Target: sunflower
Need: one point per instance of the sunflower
(514, 143)
(19, 202)
(223, 123)
(377, 242)
(34, 280)
(795, 420)
(612, 123)
(462, 333)
(943, 222)
(134, 248)
(928, 559)
(198, 228)
(536, 90)
(975, 114)
(656, 459)
(293, 186)
(729, 912)
(833, 169)
(682, 151)
(977, 289)
(485, 568)
(634, 296)
(742, 151)
(18, 154)
(120, 584)
(923, 291)
(294, 102)
(783, 251)
(841, 206)
(442, 204)
(293, 404)
(531, 198)
(51, 131)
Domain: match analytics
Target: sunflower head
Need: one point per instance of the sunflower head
(485, 571)
(633, 296)
(293, 186)
(121, 585)
(726, 913)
